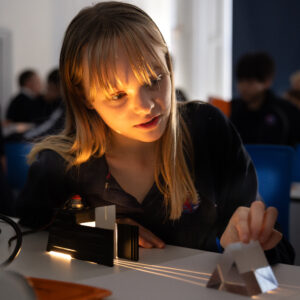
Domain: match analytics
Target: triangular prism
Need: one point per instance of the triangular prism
(243, 269)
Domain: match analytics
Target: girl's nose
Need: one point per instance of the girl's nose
(143, 102)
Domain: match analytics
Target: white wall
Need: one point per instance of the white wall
(201, 39)
(5, 65)
(195, 30)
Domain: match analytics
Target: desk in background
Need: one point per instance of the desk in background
(170, 273)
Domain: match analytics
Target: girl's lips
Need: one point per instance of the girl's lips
(152, 123)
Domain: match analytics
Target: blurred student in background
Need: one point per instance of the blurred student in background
(54, 110)
(52, 96)
(46, 116)
(258, 114)
(25, 107)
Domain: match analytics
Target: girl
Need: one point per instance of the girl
(179, 172)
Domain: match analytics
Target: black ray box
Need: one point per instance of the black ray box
(94, 244)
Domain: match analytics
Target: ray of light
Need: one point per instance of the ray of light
(163, 267)
(164, 275)
(163, 271)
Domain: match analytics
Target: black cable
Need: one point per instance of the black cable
(22, 233)
(18, 245)
(33, 230)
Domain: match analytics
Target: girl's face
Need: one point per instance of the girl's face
(134, 110)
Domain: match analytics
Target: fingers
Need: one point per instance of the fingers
(146, 238)
(256, 219)
(273, 240)
(242, 224)
(237, 228)
(270, 217)
(254, 223)
(261, 223)
(144, 243)
(249, 221)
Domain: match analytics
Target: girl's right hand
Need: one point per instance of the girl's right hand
(252, 223)
(146, 238)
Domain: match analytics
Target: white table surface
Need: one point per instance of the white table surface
(170, 273)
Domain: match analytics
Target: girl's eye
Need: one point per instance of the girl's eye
(118, 96)
(155, 81)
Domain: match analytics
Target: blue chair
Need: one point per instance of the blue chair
(17, 167)
(273, 165)
(296, 165)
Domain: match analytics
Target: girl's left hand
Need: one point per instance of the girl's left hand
(254, 223)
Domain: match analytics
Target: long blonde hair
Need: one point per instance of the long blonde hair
(97, 32)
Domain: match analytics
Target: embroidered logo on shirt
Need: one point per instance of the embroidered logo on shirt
(189, 207)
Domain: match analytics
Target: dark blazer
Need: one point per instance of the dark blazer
(276, 122)
(23, 108)
(224, 178)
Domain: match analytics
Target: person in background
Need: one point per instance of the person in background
(51, 114)
(54, 110)
(26, 107)
(293, 94)
(52, 96)
(178, 171)
(180, 95)
(258, 114)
